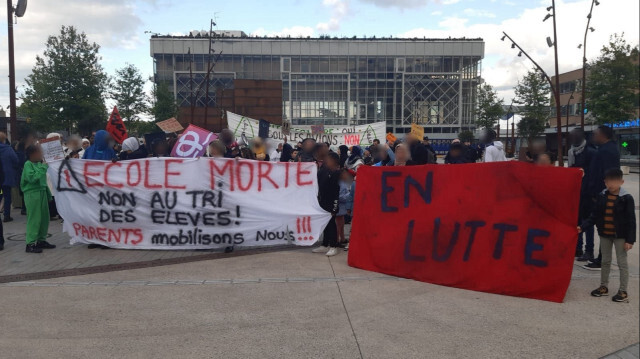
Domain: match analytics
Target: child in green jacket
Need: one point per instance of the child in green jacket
(36, 198)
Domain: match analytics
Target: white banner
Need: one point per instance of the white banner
(175, 203)
(361, 135)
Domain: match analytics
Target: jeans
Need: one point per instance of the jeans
(340, 228)
(330, 234)
(588, 233)
(606, 249)
(6, 194)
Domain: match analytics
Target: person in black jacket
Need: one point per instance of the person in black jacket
(580, 156)
(420, 154)
(606, 157)
(328, 195)
(614, 216)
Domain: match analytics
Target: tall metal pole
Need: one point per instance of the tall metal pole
(584, 67)
(12, 75)
(208, 77)
(556, 88)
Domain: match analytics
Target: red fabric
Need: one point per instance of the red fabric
(534, 261)
(116, 127)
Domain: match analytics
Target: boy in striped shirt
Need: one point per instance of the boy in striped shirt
(614, 216)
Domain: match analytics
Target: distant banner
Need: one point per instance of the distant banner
(361, 135)
(506, 228)
(175, 203)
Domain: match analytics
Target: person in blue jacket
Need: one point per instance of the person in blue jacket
(101, 148)
(10, 166)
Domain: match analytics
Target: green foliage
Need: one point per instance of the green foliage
(489, 109)
(128, 93)
(465, 136)
(163, 105)
(66, 87)
(533, 92)
(612, 85)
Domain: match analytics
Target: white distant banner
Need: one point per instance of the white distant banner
(361, 135)
(176, 203)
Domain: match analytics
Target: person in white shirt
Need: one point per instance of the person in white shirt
(494, 150)
(275, 155)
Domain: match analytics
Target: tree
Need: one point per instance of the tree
(489, 108)
(532, 92)
(128, 92)
(163, 105)
(66, 87)
(465, 136)
(612, 85)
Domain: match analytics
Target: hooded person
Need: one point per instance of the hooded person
(494, 150)
(355, 159)
(287, 153)
(101, 149)
(131, 150)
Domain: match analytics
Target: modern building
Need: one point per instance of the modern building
(332, 81)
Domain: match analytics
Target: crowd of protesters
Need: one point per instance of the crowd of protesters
(602, 202)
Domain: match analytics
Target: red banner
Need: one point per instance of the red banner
(115, 126)
(506, 228)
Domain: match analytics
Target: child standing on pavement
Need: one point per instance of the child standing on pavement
(614, 216)
(36, 198)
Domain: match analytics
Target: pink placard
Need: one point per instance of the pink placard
(193, 142)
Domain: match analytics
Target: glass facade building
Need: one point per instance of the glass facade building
(334, 81)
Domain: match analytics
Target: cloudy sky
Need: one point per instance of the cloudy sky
(119, 27)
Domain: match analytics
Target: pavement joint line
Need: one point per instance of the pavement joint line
(130, 283)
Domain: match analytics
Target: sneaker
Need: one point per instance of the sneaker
(346, 248)
(33, 248)
(587, 256)
(7, 219)
(621, 297)
(45, 245)
(332, 252)
(579, 253)
(321, 249)
(592, 266)
(602, 291)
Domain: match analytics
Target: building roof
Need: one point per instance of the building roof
(236, 34)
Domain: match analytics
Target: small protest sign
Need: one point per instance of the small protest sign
(391, 138)
(170, 126)
(286, 127)
(116, 127)
(317, 129)
(52, 149)
(193, 142)
(417, 131)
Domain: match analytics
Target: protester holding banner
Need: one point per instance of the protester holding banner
(328, 197)
(160, 148)
(74, 147)
(355, 159)
(216, 149)
(131, 150)
(36, 198)
(456, 154)
(287, 153)
(101, 148)
(494, 150)
(420, 154)
(305, 154)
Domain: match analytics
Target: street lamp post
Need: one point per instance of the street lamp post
(13, 120)
(584, 62)
(554, 88)
(568, 104)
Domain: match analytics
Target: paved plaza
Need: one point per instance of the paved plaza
(73, 302)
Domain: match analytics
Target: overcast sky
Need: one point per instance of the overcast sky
(119, 26)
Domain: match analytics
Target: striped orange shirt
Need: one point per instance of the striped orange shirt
(609, 226)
